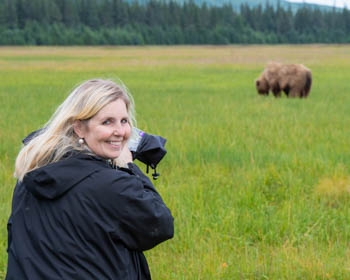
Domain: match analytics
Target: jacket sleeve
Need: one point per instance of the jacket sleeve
(134, 209)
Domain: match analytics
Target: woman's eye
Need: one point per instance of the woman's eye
(125, 121)
(106, 122)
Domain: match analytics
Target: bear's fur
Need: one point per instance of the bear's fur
(294, 79)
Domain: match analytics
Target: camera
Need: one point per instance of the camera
(147, 148)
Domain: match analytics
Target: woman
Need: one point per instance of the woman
(81, 209)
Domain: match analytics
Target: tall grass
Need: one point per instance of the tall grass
(259, 187)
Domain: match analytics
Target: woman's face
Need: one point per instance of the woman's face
(108, 131)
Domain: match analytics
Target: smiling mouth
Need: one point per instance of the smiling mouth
(116, 144)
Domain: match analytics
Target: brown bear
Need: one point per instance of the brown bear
(294, 79)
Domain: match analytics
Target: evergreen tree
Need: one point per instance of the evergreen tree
(137, 13)
(302, 20)
(269, 18)
(258, 22)
(120, 13)
(173, 14)
(346, 19)
(89, 16)
(8, 13)
(106, 14)
(69, 12)
(52, 11)
(22, 12)
(284, 24)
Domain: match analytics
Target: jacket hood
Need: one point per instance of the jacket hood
(55, 179)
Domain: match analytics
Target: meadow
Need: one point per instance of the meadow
(259, 187)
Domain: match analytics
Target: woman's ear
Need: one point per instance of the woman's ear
(78, 128)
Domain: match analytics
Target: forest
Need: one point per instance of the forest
(153, 22)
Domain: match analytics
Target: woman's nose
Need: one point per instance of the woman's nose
(118, 130)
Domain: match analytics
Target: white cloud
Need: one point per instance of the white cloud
(336, 3)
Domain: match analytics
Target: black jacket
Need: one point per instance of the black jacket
(79, 218)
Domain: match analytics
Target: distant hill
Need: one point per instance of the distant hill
(252, 3)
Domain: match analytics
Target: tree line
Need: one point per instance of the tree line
(118, 22)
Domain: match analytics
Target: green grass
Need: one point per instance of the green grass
(259, 187)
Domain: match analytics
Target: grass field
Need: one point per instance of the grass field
(259, 187)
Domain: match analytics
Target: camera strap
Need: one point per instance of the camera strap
(155, 175)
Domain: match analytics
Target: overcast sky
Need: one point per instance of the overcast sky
(337, 3)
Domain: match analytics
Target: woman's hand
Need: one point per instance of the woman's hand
(125, 157)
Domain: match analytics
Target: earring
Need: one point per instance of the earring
(81, 141)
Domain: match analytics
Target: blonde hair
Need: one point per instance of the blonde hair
(58, 136)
